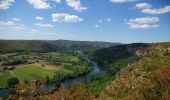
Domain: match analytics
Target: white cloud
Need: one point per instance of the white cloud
(43, 25)
(96, 26)
(5, 4)
(6, 23)
(76, 5)
(39, 4)
(143, 23)
(142, 26)
(100, 21)
(165, 9)
(33, 31)
(15, 19)
(145, 20)
(108, 19)
(143, 5)
(121, 1)
(39, 18)
(63, 17)
(20, 27)
(49, 33)
(57, 1)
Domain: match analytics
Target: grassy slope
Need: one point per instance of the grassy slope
(98, 86)
(148, 79)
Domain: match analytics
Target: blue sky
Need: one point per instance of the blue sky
(123, 21)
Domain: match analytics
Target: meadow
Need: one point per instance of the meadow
(27, 72)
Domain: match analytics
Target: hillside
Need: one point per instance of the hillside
(80, 45)
(108, 55)
(142, 75)
(25, 45)
(48, 46)
(147, 79)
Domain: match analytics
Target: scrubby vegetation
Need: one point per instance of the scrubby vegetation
(148, 79)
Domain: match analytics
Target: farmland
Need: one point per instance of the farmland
(39, 66)
(27, 72)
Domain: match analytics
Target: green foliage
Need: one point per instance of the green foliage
(96, 76)
(151, 66)
(47, 80)
(13, 81)
(61, 59)
(26, 81)
(117, 65)
(14, 62)
(98, 86)
(4, 76)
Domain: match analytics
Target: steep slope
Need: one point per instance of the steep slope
(26, 46)
(118, 52)
(147, 79)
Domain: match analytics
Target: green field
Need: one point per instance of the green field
(4, 76)
(60, 57)
(25, 73)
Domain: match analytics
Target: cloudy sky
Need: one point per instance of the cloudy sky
(95, 20)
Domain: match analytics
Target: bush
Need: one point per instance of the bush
(151, 66)
(96, 76)
(13, 81)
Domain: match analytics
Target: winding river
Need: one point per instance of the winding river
(71, 82)
(85, 78)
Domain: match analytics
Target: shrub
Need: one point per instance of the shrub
(13, 81)
(96, 76)
(151, 66)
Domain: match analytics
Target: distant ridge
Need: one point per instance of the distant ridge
(49, 45)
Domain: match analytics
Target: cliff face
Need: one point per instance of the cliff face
(119, 51)
(147, 79)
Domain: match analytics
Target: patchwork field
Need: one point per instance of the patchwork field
(25, 72)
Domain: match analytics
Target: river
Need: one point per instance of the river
(71, 82)
(84, 78)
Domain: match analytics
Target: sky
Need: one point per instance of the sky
(125, 21)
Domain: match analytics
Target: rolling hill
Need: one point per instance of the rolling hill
(81, 45)
(48, 46)
(26, 46)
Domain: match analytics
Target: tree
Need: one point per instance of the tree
(43, 65)
(12, 81)
(47, 80)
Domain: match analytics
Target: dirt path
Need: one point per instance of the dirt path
(46, 66)
(11, 72)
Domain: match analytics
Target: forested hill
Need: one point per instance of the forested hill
(118, 52)
(26, 46)
(48, 46)
(81, 45)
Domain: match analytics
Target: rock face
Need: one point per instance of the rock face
(120, 51)
(147, 79)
